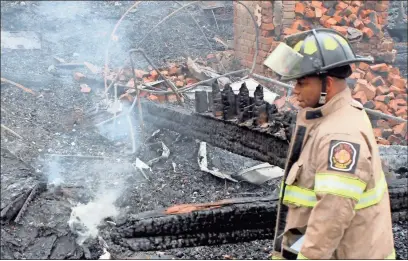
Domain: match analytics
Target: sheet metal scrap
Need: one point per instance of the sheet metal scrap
(17, 208)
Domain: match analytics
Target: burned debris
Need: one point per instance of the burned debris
(137, 166)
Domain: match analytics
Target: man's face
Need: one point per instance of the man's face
(307, 91)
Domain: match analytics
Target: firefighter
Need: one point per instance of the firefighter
(334, 188)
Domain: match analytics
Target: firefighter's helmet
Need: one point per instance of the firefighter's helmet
(313, 52)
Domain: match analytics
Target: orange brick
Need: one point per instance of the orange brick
(395, 89)
(140, 74)
(154, 74)
(361, 97)
(191, 81)
(369, 76)
(379, 7)
(358, 24)
(368, 32)
(400, 129)
(361, 72)
(382, 90)
(383, 141)
(352, 18)
(355, 75)
(382, 67)
(381, 106)
(179, 83)
(316, 4)
(309, 13)
(368, 89)
(401, 112)
(340, 29)
(395, 71)
(79, 76)
(394, 140)
(341, 5)
(318, 12)
(331, 21)
(377, 81)
(323, 19)
(399, 82)
(299, 8)
(382, 98)
(364, 66)
(401, 102)
(377, 132)
(356, 3)
(289, 31)
(269, 27)
(391, 95)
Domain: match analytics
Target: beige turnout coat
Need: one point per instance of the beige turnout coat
(336, 191)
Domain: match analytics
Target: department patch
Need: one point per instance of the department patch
(343, 156)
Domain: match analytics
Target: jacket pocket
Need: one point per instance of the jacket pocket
(294, 172)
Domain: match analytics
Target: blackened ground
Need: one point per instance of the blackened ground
(52, 122)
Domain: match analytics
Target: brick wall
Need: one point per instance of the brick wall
(277, 19)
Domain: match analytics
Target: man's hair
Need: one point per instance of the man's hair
(341, 72)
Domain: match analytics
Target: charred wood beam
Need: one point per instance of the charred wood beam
(222, 222)
(228, 221)
(250, 141)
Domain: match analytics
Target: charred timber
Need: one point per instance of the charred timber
(228, 221)
(268, 144)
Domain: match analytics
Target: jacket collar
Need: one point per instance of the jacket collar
(339, 100)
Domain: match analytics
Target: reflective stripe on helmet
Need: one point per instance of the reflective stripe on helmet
(310, 46)
(298, 46)
(341, 185)
(330, 44)
(304, 197)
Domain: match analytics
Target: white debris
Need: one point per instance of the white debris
(202, 162)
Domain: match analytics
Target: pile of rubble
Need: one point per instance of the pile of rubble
(381, 87)
(356, 20)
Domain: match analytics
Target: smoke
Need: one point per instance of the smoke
(85, 218)
(54, 176)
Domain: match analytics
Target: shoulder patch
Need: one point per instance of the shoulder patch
(343, 156)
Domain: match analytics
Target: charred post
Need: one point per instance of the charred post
(260, 112)
(217, 107)
(201, 102)
(243, 103)
(228, 101)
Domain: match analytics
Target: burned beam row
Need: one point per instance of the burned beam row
(230, 223)
(269, 144)
(227, 105)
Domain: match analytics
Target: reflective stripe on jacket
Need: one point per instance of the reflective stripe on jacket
(336, 192)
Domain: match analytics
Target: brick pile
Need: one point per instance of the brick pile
(369, 17)
(381, 87)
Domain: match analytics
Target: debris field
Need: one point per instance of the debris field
(166, 152)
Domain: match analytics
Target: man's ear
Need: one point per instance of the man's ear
(329, 84)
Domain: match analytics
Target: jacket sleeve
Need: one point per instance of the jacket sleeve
(343, 168)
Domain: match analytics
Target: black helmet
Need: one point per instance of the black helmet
(313, 52)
